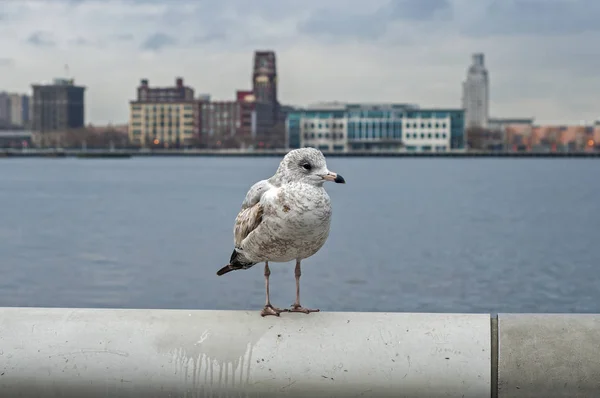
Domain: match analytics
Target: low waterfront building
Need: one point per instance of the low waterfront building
(163, 116)
(375, 127)
(321, 126)
(15, 139)
(227, 123)
(434, 130)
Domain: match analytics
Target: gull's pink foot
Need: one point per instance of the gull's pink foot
(270, 310)
(299, 308)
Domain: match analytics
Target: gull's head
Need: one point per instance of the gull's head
(307, 165)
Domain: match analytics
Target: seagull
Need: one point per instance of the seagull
(283, 218)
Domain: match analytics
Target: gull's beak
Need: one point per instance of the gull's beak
(335, 177)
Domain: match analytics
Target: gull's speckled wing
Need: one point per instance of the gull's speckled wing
(250, 217)
(246, 221)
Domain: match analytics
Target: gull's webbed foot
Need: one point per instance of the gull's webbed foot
(299, 308)
(270, 310)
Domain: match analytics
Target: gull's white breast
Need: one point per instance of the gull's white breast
(296, 223)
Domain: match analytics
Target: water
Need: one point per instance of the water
(408, 234)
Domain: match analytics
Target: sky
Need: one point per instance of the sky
(540, 54)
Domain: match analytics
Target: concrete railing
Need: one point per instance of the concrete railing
(51, 352)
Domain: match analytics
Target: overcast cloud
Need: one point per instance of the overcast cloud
(540, 53)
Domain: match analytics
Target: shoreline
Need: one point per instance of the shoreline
(64, 153)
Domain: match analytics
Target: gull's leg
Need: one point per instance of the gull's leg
(269, 309)
(296, 307)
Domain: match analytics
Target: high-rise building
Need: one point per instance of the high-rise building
(476, 90)
(58, 106)
(5, 121)
(162, 116)
(14, 110)
(265, 76)
(264, 87)
(19, 110)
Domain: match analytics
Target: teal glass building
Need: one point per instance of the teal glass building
(376, 127)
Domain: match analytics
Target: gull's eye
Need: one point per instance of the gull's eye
(307, 166)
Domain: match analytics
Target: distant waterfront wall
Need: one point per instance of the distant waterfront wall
(279, 153)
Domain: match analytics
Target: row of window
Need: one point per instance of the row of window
(381, 123)
(427, 148)
(334, 136)
(162, 124)
(169, 133)
(423, 136)
(381, 114)
(321, 125)
(162, 108)
(326, 147)
(362, 131)
(162, 116)
(424, 125)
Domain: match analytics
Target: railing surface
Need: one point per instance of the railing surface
(63, 352)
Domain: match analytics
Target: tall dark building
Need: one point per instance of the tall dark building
(264, 81)
(58, 106)
(264, 87)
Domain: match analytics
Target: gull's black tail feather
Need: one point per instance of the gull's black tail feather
(235, 262)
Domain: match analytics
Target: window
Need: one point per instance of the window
(320, 135)
(326, 135)
(422, 135)
(429, 135)
(437, 135)
(444, 135)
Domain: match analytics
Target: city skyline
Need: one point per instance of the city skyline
(416, 51)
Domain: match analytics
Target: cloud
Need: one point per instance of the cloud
(41, 39)
(6, 62)
(416, 10)
(158, 41)
(347, 25)
(210, 38)
(124, 37)
(535, 17)
(415, 51)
